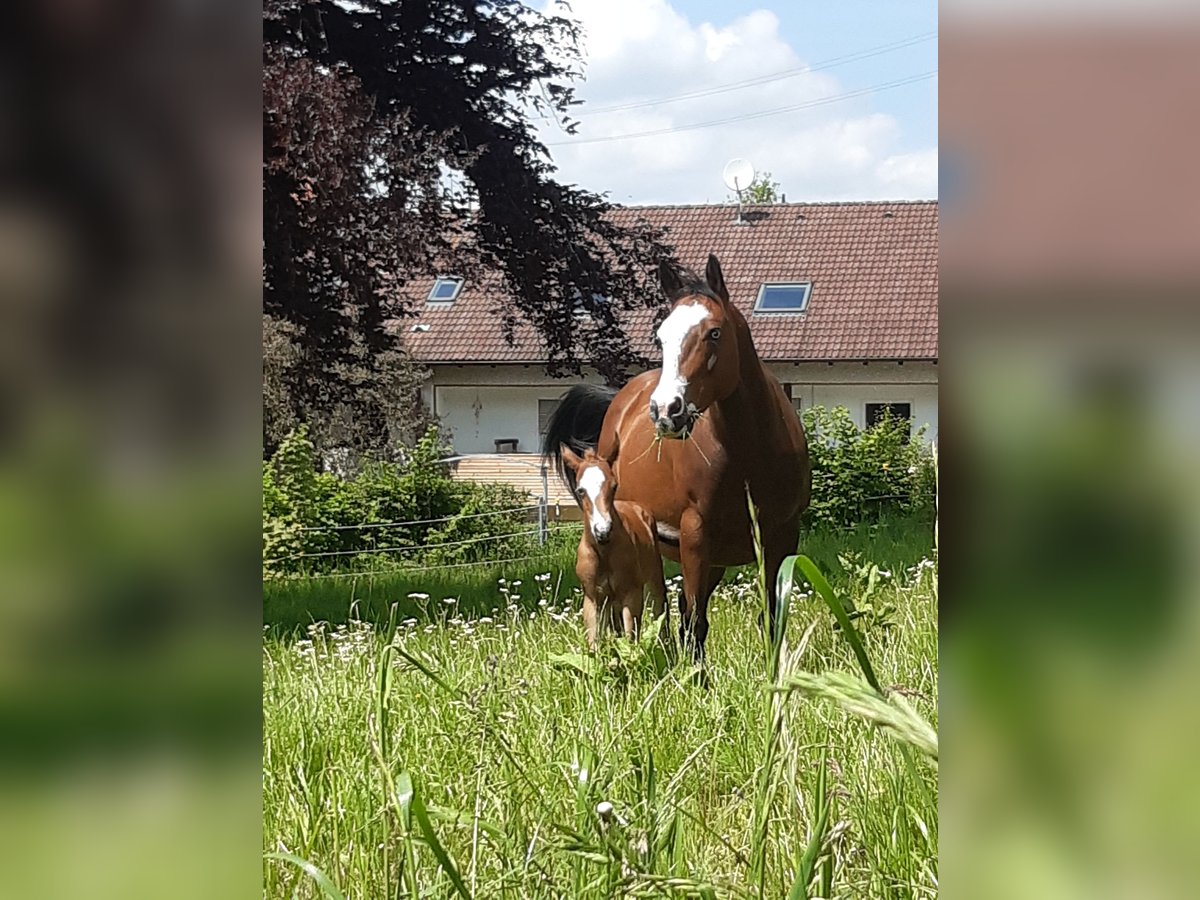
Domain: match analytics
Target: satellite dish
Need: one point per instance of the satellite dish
(738, 174)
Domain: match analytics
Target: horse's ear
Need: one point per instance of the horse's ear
(569, 456)
(714, 277)
(668, 276)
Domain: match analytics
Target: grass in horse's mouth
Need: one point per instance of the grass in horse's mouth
(682, 435)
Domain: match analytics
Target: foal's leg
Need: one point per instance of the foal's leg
(590, 619)
(631, 618)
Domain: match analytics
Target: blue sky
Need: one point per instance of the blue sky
(875, 145)
(834, 28)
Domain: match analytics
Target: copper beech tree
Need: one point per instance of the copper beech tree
(398, 140)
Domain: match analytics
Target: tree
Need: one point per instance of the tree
(398, 141)
(380, 409)
(761, 190)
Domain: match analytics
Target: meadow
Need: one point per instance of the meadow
(444, 734)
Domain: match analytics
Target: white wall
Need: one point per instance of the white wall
(481, 403)
(478, 415)
(854, 385)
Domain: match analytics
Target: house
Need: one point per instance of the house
(842, 301)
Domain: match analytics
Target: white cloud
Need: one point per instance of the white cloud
(910, 174)
(637, 50)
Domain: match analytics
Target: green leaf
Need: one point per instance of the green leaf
(421, 815)
(577, 662)
(328, 888)
(783, 590)
(806, 869)
(821, 586)
(404, 798)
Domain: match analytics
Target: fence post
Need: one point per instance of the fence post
(543, 508)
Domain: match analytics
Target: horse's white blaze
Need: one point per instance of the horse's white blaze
(592, 481)
(672, 334)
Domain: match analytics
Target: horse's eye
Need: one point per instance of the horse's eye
(579, 493)
(715, 334)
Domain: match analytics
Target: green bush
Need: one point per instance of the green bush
(311, 518)
(861, 475)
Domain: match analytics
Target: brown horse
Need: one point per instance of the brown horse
(617, 562)
(686, 440)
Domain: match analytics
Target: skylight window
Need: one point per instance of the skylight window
(445, 290)
(783, 297)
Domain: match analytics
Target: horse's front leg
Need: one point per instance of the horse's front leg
(780, 546)
(697, 575)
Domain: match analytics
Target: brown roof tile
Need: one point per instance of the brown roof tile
(873, 267)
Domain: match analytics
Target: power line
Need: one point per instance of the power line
(408, 522)
(406, 570)
(766, 79)
(834, 98)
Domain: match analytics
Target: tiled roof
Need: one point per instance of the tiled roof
(873, 268)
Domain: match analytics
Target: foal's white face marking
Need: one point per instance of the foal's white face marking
(592, 481)
(672, 334)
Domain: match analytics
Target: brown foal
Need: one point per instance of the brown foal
(617, 562)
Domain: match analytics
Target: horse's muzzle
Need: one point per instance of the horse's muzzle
(673, 422)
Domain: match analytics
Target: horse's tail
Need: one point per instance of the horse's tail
(576, 422)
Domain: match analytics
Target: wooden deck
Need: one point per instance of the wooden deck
(522, 471)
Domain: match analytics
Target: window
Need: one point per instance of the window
(546, 409)
(782, 297)
(445, 290)
(582, 311)
(877, 411)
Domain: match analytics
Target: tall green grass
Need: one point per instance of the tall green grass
(450, 755)
(292, 604)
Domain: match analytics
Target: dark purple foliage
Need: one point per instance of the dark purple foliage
(364, 111)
